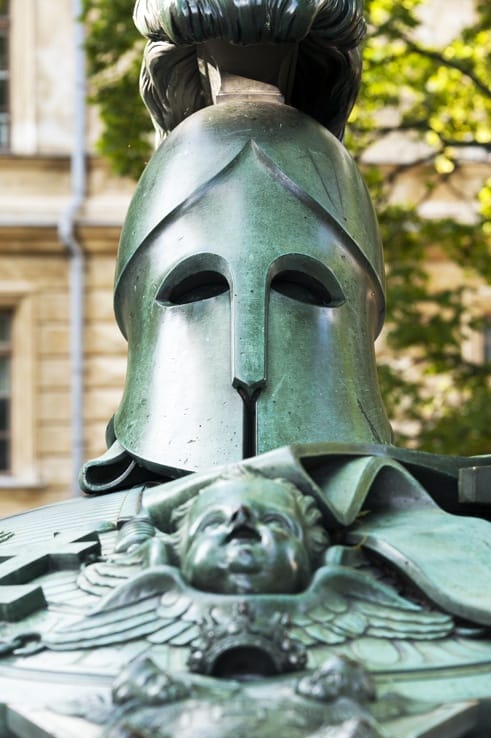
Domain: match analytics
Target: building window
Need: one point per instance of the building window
(5, 388)
(4, 75)
(18, 462)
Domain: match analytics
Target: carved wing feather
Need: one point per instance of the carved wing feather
(134, 610)
(116, 566)
(173, 604)
(148, 583)
(316, 633)
(105, 629)
(104, 576)
(177, 632)
(340, 605)
(353, 623)
(343, 604)
(422, 624)
(62, 593)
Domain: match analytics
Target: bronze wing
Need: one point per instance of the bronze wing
(153, 604)
(343, 604)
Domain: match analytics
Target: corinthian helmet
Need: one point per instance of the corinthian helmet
(249, 285)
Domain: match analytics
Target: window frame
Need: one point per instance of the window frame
(19, 299)
(5, 75)
(6, 394)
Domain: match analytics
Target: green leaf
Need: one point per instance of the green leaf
(440, 97)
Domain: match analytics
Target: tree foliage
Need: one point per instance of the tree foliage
(439, 98)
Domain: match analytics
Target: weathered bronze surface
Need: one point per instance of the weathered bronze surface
(263, 562)
(211, 309)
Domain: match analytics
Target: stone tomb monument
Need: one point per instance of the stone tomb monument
(252, 557)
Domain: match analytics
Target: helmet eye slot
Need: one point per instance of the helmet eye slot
(193, 288)
(302, 287)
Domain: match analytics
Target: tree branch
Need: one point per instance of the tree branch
(451, 64)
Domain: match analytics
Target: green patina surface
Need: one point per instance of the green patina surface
(256, 558)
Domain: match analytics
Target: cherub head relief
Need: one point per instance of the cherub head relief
(248, 534)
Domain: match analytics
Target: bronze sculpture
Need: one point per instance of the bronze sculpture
(252, 537)
(220, 390)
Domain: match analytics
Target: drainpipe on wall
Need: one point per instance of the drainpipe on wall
(67, 236)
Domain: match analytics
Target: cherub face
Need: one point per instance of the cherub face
(245, 536)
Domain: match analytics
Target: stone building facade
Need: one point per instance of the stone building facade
(39, 120)
(37, 124)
